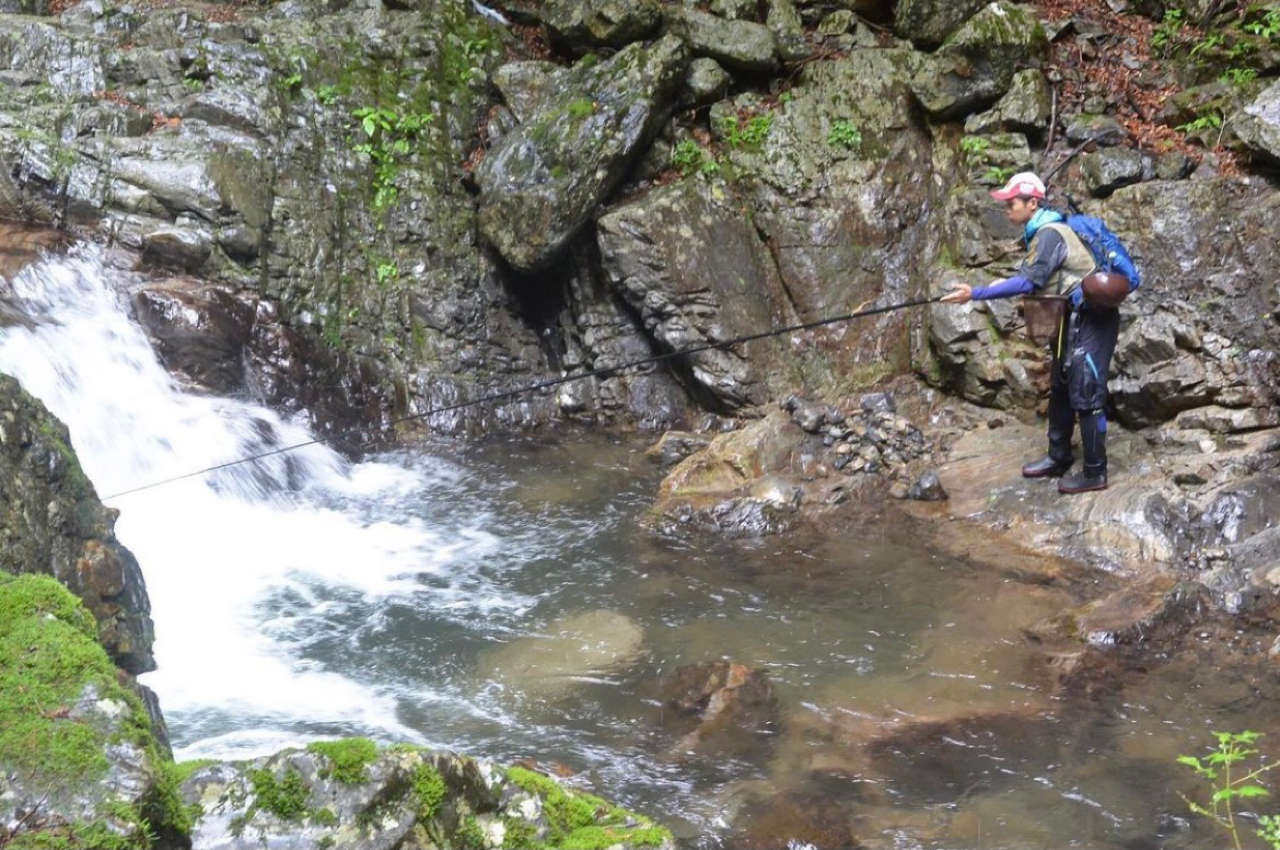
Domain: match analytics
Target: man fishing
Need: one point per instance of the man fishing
(1057, 261)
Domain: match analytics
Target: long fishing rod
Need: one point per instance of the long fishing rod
(532, 388)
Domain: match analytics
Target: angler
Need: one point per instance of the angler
(1060, 269)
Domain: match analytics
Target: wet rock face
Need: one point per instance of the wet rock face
(20, 244)
(696, 274)
(543, 181)
(202, 161)
(199, 333)
(51, 522)
(235, 344)
(1172, 356)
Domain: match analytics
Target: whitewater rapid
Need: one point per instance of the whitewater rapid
(244, 565)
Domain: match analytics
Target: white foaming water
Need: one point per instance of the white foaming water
(217, 549)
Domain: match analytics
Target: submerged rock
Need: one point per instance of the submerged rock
(574, 648)
(730, 706)
(795, 819)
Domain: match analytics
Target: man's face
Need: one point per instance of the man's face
(1020, 210)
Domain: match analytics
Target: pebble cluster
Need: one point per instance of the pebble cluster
(872, 438)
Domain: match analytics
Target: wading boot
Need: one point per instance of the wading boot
(1093, 439)
(1046, 467)
(1062, 421)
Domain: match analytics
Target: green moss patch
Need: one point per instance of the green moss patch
(428, 791)
(48, 655)
(284, 796)
(349, 759)
(580, 821)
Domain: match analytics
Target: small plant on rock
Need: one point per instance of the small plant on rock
(1168, 31)
(747, 132)
(1268, 26)
(844, 134)
(688, 157)
(1231, 782)
(389, 136)
(996, 175)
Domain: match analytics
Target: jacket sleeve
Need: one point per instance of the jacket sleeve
(1003, 289)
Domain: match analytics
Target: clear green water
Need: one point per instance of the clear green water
(912, 711)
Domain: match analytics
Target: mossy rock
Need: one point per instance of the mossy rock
(80, 765)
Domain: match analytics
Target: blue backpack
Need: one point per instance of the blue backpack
(1107, 249)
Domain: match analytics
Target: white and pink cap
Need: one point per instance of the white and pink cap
(1024, 185)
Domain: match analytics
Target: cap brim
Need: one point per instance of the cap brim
(1010, 194)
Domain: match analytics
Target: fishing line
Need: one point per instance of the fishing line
(533, 388)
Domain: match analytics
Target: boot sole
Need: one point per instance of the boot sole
(1048, 473)
(1090, 489)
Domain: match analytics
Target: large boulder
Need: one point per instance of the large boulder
(1258, 125)
(1025, 108)
(738, 45)
(977, 63)
(200, 333)
(927, 23)
(52, 523)
(543, 182)
(697, 274)
(720, 707)
(734, 486)
(580, 25)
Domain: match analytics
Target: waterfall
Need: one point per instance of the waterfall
(249, 566)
